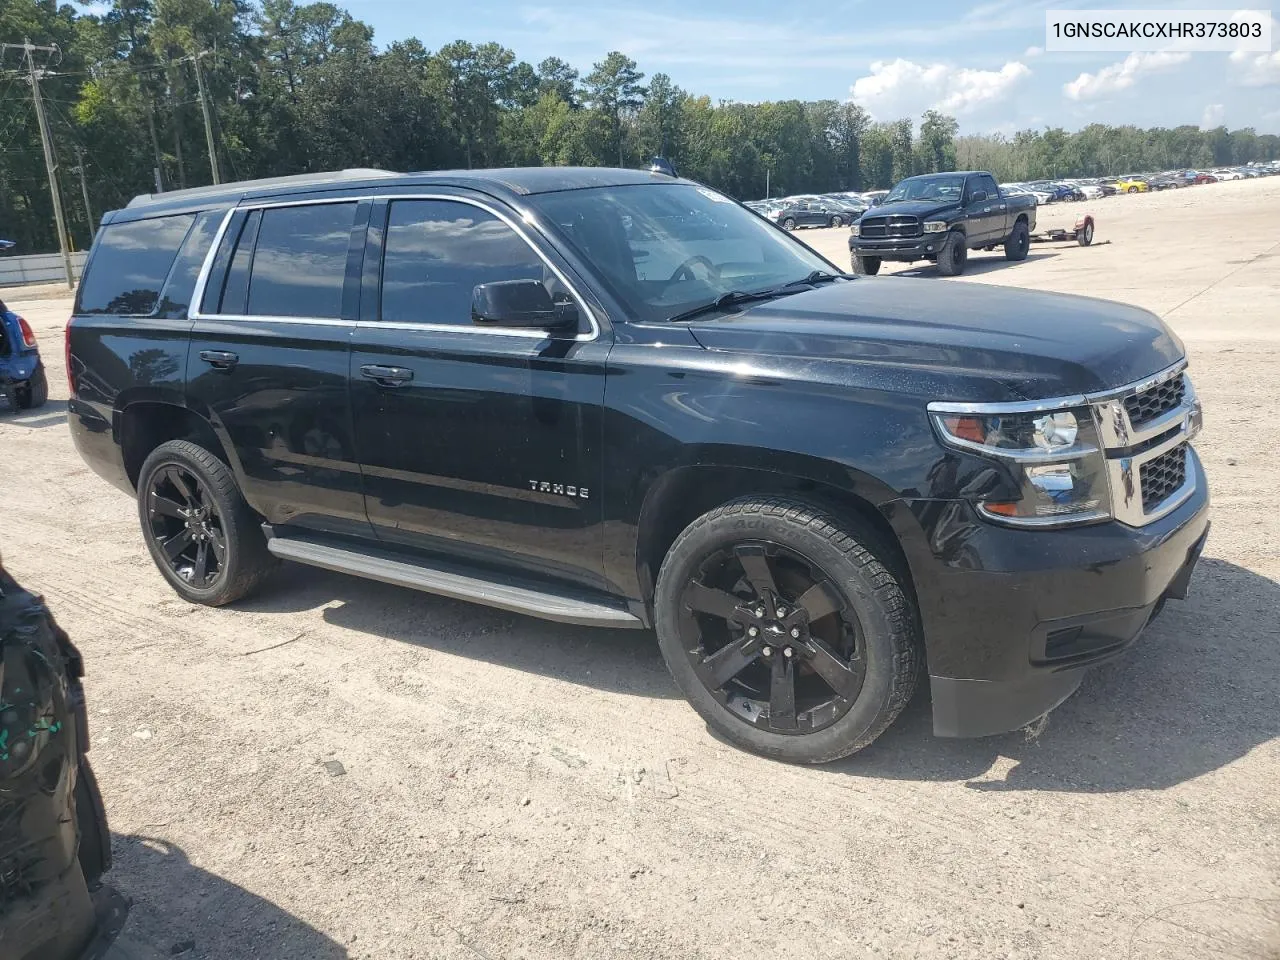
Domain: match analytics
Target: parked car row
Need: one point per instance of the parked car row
(814, 210)
(838, 209)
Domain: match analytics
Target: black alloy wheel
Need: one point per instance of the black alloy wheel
(204, 538)
(186, 525)
(771, 638)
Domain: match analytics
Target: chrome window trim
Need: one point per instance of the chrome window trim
(197, 299)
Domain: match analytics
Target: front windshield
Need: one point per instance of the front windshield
(666, 248)
(927, 188)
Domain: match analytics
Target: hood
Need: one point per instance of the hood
(971, 342)
(913, 208)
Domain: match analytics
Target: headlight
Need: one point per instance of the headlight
(855, 230)
(1054, 456)
(935, 226)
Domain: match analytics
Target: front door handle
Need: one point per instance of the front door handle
(386, 376)
(220, 359)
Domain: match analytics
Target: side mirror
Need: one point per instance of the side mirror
(978, 196)
(518, 303)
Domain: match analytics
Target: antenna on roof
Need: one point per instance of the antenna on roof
(663, 166)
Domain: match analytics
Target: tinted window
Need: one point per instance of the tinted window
(664, 248)
(437, 251)
(182, 278)
(300, 261)
(236, 289)
(988, 184)
(130, 264)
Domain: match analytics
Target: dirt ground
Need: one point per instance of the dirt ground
(339, 768)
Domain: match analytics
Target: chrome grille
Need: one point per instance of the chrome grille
(1162, 477)
(879, 228)
(1155, 401)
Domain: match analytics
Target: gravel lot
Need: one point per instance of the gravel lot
(344, 769)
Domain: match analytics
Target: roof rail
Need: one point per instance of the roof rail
(357, 173)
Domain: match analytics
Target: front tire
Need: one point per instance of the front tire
(1018, 243)
(1132, 190)
(837, 221)
(954, 255)
(866, 265)
(787, 629)
(202, 535)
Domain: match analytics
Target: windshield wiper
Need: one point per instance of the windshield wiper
(816, 277)
(728, 300)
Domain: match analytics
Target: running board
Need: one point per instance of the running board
(460, 583)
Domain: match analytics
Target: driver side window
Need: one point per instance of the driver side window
(437, 251)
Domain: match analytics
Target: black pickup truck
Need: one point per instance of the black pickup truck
(620, 399)
(941, 217)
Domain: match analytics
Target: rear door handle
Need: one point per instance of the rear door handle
(386, 376)
(220, 359)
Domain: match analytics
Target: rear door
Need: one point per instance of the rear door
(268, 358)
(479, 442)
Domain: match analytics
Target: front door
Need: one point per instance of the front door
(474, 441)
(267, 363)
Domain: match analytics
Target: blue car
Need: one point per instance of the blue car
(22, 378)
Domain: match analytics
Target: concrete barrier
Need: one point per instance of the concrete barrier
(37, 268)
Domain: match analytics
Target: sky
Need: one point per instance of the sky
(980, 60)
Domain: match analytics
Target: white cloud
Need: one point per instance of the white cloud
(1256, 69)
(1212, 116)
(1031, 52)
(1122, 75)
(897, 88)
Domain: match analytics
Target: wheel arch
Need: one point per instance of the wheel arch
(144, 424)
(685, 492)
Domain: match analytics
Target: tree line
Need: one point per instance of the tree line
(297, 88)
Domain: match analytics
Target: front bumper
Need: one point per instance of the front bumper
(1012, 618)
(905, 249)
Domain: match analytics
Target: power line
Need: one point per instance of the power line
(46, 142)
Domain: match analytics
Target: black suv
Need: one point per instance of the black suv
(621, 399)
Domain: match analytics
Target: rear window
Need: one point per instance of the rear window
(300, 261)
(176, 297)
(130, 264)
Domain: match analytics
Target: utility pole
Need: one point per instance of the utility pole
(46, 142)
(84, 189)
(208, 123)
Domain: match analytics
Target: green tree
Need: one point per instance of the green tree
(613, 87)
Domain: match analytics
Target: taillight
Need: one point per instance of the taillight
(28, 335)
(66, 350)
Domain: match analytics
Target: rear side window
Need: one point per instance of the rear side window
(437, 251)
(130, 264)
(300, 261)
(176, 297)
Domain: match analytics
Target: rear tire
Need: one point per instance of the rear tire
(837, 221)
(36, 392)
(866, 265)
(825, 592)
(789, 224)
(954, 255)
(1132, 190)
(1018, 242)
(190, 507)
